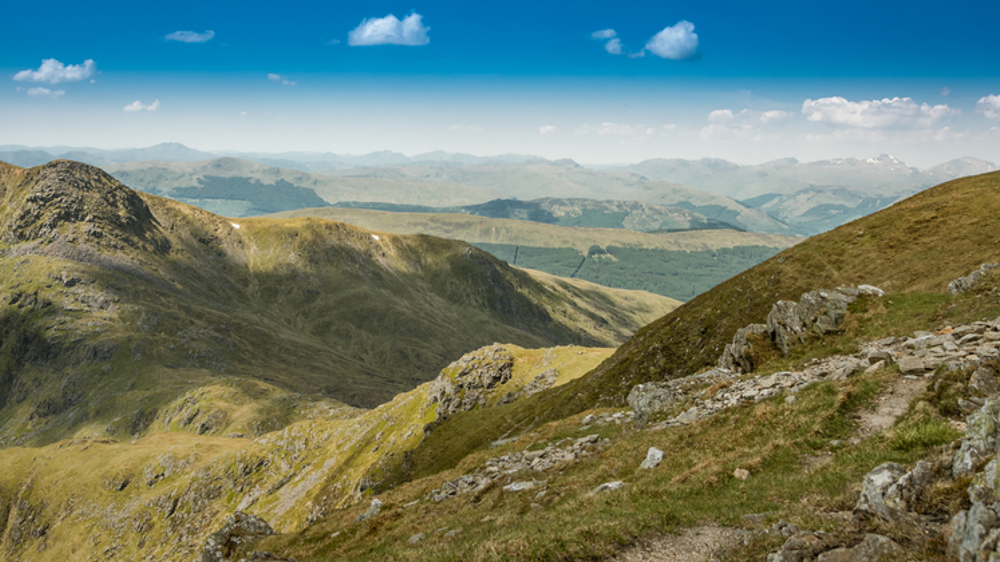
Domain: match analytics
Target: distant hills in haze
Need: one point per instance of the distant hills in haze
(782, 196)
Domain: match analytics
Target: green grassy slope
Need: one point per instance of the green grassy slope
(920, 244)
(115, 303)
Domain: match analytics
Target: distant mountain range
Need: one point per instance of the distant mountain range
(781, 196)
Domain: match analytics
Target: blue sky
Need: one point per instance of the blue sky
(743, 81)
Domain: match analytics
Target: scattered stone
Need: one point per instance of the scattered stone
(416, 538)
(741, 473)
(874, 548)
(589, 419)
(372, 511)
(737, 355)
(452, 533)
(654, 457)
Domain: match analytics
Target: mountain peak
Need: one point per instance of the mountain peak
(73, 202)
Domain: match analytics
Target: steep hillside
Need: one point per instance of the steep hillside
(917, 245)
(236, 187)
(679, 265)
(116, 302)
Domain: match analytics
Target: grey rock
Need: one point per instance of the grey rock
(984, 381)
(979, 520)
(372, 511)
(822, 311)
(519, 486)
(957, 526)
(736, 356)
(874, 548)
(654, 457)
(911, 364)
(238, 529)
(609, 487)
(452, 533)
(980, 441)
(416, 538)
(466, 383)
(785, 326)
(798, 548)
(649, 398)
(963, 284)
(877, 484)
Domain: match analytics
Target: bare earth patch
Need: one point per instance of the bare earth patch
(889, 405)
(694, 544)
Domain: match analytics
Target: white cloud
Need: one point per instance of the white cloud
(390, 31)
(989, 106)
(281, 80)
(614, 46)
(747, 124)
(190, 36)
(54, 72)
(870, 114)
(139, 106)
(676, 42)
(945, 91)
(604, 34)
(545, 129)
(43, 92)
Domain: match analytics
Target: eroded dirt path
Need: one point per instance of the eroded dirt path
(694, 544)
(889, 405)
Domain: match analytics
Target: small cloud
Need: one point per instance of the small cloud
(281, 80)
(616, 130)
(139, 106)
(190, 36)
(333, 42)
(614, 46)
(677, 42)
(546, 129)
(43, 92)
(465, 128)
(869, 114)
(54, 72)
(989, 106)
(946, 91)
(604, 34)
(747, 124)
(390, 31)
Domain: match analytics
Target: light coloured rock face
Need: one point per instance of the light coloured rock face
(240, 528)
(465, 384)
(785, 326)
(980, 441)
(609, 487)
(877, 484)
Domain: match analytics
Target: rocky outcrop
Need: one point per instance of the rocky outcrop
(963, 284)
(466, 383)
(650, 398)
(240, 528)
(738, 355)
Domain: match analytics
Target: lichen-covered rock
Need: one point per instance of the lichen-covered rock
(874, 548)
(240, 528)
(785, 326)
(466, 383)
(877, 484)
(653, 458)
(822, 311)
(737, 356)
(980, 441)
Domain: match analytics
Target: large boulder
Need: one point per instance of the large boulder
(652, 397)
(467, 383)
(822, 311)
(239, 528)
(980, 439)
